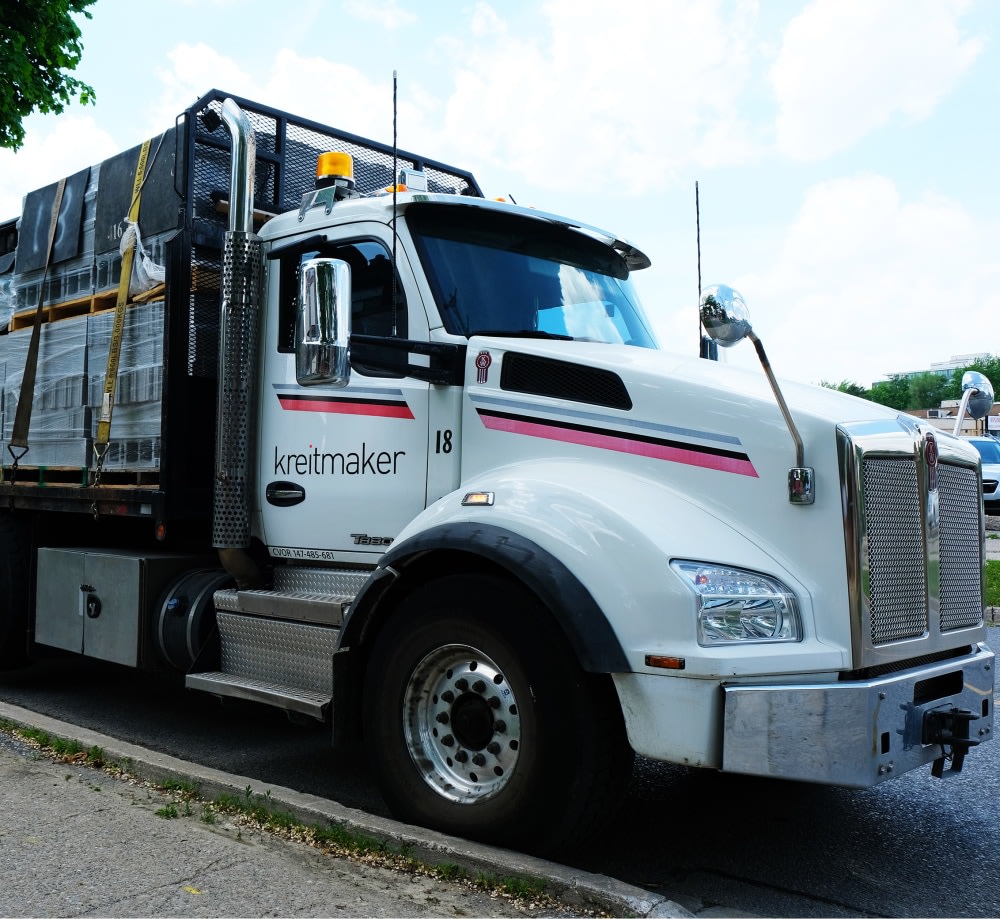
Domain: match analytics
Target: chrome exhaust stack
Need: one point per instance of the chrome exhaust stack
(242, 271)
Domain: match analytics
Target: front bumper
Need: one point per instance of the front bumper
(856, 734)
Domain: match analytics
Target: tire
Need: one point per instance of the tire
(479, 722)
(15, 592)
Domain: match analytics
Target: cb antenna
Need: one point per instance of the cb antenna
(707, 347)
(697, 231)
(395, 184)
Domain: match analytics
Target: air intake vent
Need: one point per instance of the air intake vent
(541, 376)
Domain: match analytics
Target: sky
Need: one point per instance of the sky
(835, 161)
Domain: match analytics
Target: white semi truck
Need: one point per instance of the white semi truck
(379, 451)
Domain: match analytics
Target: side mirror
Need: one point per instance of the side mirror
(724, 315)
(323, 323)
(980, 394)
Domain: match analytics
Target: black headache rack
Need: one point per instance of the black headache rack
(159, 462)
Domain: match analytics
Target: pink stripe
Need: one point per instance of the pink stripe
(622, 445)
(346, 408)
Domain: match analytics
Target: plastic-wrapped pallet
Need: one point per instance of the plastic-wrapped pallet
(59, 434)
(135, 420)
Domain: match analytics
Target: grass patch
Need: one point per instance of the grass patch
(58, 746)
(522, 888)
(35, 736)
(991, 583)
(182, 787)
(451, 872)
(339, 838)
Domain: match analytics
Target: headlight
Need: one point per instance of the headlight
(739, 605)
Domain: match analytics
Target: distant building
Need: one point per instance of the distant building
(944, 418)
(944, 368)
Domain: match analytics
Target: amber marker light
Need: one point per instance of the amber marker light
(664, 662)
(478, 499)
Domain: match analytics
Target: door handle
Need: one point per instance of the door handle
(284, 494)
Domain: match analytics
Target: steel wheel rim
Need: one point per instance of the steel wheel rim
(461, 723)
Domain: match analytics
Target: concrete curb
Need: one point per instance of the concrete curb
(573, 887)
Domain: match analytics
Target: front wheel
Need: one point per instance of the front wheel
(480, 723)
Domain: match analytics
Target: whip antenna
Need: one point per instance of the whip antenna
(395, 184)
(697, 228)
(707, 347)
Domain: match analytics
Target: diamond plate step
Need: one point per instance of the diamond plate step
(289, 698)
(285, 664)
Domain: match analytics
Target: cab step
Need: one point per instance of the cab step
(277, 645)
(278, 695)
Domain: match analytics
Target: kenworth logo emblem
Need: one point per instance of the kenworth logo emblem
(931, 458)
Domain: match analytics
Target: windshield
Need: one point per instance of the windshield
(504, 274)
(989, 450)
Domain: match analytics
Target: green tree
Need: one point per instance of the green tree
(988, 366)
(848, 386)
(927, 390)
(39, 44)
(894, 393)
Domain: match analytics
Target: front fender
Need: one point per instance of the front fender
(586, 627)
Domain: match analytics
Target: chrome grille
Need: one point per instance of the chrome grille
(914, 537)
(897, 587)
(961, 570)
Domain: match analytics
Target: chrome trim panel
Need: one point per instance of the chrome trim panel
(853, 734)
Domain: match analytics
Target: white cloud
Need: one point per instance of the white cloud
(583, 92)
(351, 100)
(847, 67)
(387, 13)
(869, 284)
(192, 71)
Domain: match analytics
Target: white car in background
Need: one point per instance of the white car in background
(989, 452)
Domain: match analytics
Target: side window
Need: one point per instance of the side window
(378, 306)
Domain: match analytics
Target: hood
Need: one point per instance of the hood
(711, 434)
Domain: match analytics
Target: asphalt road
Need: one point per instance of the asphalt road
(916, 846)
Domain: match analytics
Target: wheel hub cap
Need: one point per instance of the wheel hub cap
(462, 725)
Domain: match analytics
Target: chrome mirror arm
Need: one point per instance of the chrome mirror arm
(724, 316)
